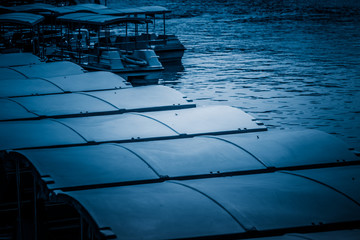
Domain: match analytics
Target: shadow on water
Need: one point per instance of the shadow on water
(172, 73)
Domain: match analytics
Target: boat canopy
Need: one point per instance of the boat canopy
(214, 206)
(36, 133)
(115, 163)
(147, 10)
(186, 158)
(9, 73)
(129, 127)
(11, 110)
(90, 81)
(34, 86)
(45, 70)
(146, 98)
(18, 59)
(33, 8)
(27, 19)
(47, 9)
(4, 9)
(340, 178)
(93, 8)
(297, 149)
(100, 20)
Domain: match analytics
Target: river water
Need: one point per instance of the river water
(291, 65)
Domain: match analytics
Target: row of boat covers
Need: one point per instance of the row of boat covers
(147, 163)
(47, 9)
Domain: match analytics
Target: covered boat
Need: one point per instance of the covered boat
(83, 82)
(18, 59)
(20, 32)
(167, 46)
(96, 53)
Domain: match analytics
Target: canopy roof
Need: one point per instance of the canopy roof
(42, 70)
(4, 9)
(97, 19)
(34, 7)
(187, 158)
(90, 81)
(27, 19)
(147, 98)
(148, 10)
(127, 127)
(18, 59)
(300, 148)
(45, 9)
(216, 206)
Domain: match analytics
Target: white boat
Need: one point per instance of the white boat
(140, 66)
(167, 46)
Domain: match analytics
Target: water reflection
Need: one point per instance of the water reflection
(172, 73)
(291, 64)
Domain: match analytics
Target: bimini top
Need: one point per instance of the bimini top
(126, 127)
(146, 98)
(218, 206)
(100, 20)
(18, 59)
(26, 19)
(90, 81)
(42, 70)
(185, 159)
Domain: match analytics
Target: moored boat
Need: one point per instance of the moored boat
(94, 50)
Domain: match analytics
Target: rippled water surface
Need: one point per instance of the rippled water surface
(293, 65)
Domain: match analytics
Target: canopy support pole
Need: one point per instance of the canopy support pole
(164, 24)
(35, 210)
(18, 197)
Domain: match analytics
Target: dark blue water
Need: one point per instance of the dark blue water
(291, 64)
